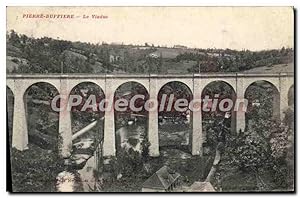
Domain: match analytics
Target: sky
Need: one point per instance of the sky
(253, 28)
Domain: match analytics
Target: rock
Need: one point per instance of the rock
(119, 176)
(77, 161)
(80, 156)
(42, 140)
(87, 175)
(84, 146)
(68, 162)
(65, 182)
(147, 168)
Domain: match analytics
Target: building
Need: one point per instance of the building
(180, 47)
(153, 55)
(164, 180)
(201, 187)
(116, 56)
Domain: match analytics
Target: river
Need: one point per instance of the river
(130, 136)
(85, 179)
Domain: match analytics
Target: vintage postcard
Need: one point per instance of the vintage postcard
(150, 99)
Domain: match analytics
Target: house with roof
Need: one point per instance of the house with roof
(200, 187)
(163, 180)
(116, 56)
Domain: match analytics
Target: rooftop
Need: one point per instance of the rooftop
(162, 179)
(201, 187)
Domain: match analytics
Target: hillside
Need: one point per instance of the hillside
(47, 55)
(280, 68)
(171, 53)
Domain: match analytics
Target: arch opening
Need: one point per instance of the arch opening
(87, 119)
(263, 102)
(9, 113)
(42, 120)
(218, 116)
(131, 124)
(174, 125)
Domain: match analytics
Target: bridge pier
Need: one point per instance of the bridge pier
(153, 122)
(197, 136)
(20, 131)
(109, 148)
(284, 91)
(65, 130)
(240, 116)
(20, 83)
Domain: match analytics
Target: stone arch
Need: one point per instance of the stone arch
(171, 122)
(218, 91)
(249, 81)
(188, 82)
(90, 116)
(76, 83)
(219, 81)
(42, 120)
(10, 86)
(9, 113)
(228, 81)
(258, 93)
(72, 83)
(131, 126)
(116, 83)
(54, 83)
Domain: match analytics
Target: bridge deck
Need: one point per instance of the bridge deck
(201, 75)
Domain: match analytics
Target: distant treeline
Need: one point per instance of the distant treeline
(48, 55)
(233, 61)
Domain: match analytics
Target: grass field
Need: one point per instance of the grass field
(281, 68)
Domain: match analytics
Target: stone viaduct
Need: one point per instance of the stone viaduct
(153, 83)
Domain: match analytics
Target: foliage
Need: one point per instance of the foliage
(145, 144)
(233, 61)
(265, 147)
(216, 131)
(37, 175)
(261, 148)
(178, 90)
(48, 55)
(129, 162)
(248, 152)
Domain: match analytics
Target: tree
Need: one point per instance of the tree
(14, 38)
(129, 162)
(145, 144)
(263, 147)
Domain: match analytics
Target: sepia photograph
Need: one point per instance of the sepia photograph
(150, 99)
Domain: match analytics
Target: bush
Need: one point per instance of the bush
(35, 170)
(129, 162)
(258, 151)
